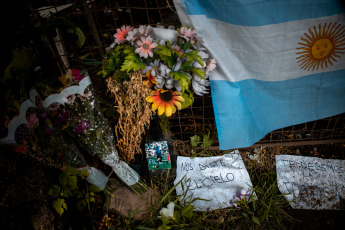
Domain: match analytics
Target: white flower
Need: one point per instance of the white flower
(169, 211)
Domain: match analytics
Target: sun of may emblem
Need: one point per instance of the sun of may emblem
(321, 46)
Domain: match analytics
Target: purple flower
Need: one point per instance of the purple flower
(82, 126)
(63, 116)
(243, 195)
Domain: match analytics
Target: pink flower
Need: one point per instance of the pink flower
(32, 120)
(211, 65)
(121, 34)
(145, 47)
(186, 33)
(145, 30)
(70, 99)
(85, 95)
(132, 35)
(190, 35)
(77, 75)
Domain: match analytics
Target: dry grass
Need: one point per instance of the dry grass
(135, 113)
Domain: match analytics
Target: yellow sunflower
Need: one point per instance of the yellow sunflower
(166, 101)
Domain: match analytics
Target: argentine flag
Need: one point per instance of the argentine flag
(280, 62)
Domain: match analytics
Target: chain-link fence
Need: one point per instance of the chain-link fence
(99, 20)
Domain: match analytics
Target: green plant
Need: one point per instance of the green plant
(265, 206)
(204, 144)
(73, 186)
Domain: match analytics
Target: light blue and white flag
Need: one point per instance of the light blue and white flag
(280, 62)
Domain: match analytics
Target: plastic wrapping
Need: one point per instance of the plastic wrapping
(77, 112)
(33, 134)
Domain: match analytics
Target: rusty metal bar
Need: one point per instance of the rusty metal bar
(287, 144)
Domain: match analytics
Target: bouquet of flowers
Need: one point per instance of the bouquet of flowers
(33, 134)
(77, 112)
(173, 62)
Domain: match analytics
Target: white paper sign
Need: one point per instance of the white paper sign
(311, 182)
(217, 179)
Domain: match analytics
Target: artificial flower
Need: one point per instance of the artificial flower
(146, 45)
(83, 125)
(186, 33)
(121, 34)
(211, 65)
(145, 30)
(166, 101)
(132, 35)
(70, 99)
(21, 148)
(32, 120)
(168, 211)
(85, 95)
(151, 81)
(62, 116)
(77, 75)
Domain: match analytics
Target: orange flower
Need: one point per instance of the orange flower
(151, 79)
(166, 101)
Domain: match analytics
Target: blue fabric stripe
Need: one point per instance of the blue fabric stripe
(246, 111)
(263, 12)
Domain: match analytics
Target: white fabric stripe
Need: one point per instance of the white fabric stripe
(265, 53)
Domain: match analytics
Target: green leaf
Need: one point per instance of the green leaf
(186, 65)
(81, 37)
(187, 211)
(188, 100)
(81, 205)
(206, 142)
(183, 79)
(163, 50)
(194, 140)
(60, 205)
(63, 179)
(132, 62)
(55, 191)
(193, 55)
(245, 215)
(71, 171)
(199, 72)
(177, 216)
(255, 220)
(72, 182)
(94, 189)
(84, 173)
(165, 220)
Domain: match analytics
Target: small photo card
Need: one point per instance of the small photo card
(157, 154)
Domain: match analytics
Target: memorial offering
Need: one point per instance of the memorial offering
(157, 154)
(216, 180)
(311, 182)
(76, 111)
